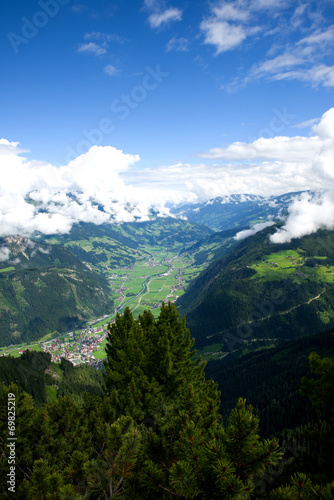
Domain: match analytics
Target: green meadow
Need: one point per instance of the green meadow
(7, 269)
(292, 264)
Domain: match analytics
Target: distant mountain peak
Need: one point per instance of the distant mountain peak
(236, 210)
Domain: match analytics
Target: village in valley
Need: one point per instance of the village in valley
(77, 347)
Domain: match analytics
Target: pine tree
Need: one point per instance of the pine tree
(186, 452)
(107, 475)
(150, 361)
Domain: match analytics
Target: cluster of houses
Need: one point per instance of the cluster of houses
(77, 350)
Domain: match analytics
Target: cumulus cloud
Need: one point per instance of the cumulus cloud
(49, 199)
(253, 230)
(107, 185)
(231, 23)
(201, 182)
(303, 162)
(7, 147)
(222, 35)
(306, 216)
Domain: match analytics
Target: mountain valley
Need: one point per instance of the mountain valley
(242, 294)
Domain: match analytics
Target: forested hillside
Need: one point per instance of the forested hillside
(263, 290)
(156, 430)
(34, 374)
(270, 380)
(212, 247)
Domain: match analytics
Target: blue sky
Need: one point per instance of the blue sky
(175, 84)
(230, 66)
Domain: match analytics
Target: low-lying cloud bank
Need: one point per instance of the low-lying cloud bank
(306, 215)
(253, 230)
(41, 197)
(106, 185)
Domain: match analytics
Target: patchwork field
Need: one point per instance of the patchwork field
(162, 275)
(294, 265)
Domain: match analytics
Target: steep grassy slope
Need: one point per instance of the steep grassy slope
(259, 290)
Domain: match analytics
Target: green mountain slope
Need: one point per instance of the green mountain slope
(214, 246)
(122, 245)
(263, 290)
(58, 284)
(34, 373)
(45, 288)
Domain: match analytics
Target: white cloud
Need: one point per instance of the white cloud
(321, 37)
(285, 149)
(306, 216)
(4, 254)
(151, 4)
(107, 185)
(156, 19)
(41, 197)
(307, 123)
(302, 41)
(199, 183)
(111, 70)
(106, 37)
(222, 35)
(231, 23)
(231, 12)
(10, 147)
(321, 74)
(300, 61)
(268, 4)
(253, 230)
(178, 44)
(284, 61)
(276, 148)
(92, 48)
